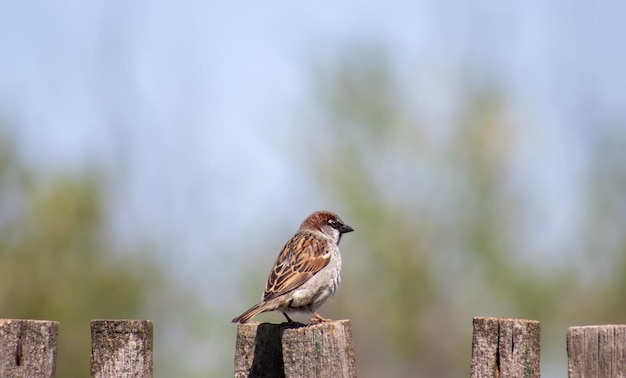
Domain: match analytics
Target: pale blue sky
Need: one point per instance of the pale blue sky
(192, 105)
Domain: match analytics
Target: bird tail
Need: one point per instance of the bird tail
(251, 313)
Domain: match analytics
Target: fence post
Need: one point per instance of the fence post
(503, 347)
(295, 350)
(596, 351)
(121, 348)
(28, 348)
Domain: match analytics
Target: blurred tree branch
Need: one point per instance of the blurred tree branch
(438, 221)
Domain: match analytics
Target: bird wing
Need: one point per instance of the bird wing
(302, 257)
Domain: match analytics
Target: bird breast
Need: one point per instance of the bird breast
(322, 285)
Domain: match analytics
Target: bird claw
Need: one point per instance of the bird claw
(318, 318)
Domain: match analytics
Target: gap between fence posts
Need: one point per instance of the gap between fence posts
(503, 347)
(28, 348)
(295, 350)
(596, 351)
(121, 348)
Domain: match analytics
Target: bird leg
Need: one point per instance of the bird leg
(288, 318)
(318, 318)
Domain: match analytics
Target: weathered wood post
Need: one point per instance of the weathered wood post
(295, 350)
(503, 347)
(596, 351)
(121, 348)
(28, 348)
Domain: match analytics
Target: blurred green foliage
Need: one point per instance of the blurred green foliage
(442, 231)
(56, 262)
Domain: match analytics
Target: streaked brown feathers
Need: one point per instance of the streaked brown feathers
(293, 268)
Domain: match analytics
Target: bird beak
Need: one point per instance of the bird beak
(345, 228)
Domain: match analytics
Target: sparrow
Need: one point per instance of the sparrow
(307, 271)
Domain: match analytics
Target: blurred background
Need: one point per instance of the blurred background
(155, 156)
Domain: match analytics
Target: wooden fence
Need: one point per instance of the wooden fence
(501, 348)
(119, 348)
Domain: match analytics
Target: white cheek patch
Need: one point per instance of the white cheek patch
(332, 234)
